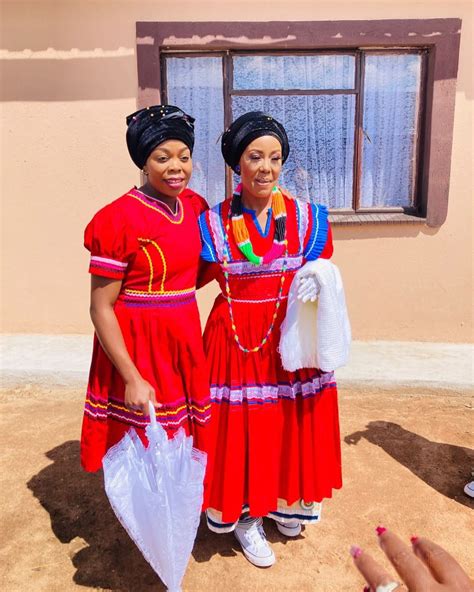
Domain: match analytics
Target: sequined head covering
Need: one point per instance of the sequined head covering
(247, 128)
(149, 127)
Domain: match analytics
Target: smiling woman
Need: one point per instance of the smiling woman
(274, 437)
(148, 344)
(168, 170)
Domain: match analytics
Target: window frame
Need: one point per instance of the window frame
(438, 41)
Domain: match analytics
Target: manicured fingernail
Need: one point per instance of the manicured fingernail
(380, 530)
(366, 589)
(355, 551)
(413, 539)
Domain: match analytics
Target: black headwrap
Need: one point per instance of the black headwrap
(153, 125)
(247, 128)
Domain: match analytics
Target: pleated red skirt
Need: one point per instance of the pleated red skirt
(274, 435)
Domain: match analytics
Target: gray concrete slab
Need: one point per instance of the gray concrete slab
(64, 360)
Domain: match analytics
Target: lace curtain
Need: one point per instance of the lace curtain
(320, 127)
(391, 103)
(196, 86)
(314, 72)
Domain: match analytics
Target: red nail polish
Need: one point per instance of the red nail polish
(366, 589)
(355, 551)
(413, 539)
(380, 530)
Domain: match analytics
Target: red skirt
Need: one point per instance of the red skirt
(274, 435)
(165, 344)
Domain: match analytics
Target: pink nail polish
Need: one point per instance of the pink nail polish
(413, 539)
(355, 551)
(380, 530)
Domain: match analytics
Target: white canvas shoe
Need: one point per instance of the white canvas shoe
(289, 529)
(254, 543)
(469, 489)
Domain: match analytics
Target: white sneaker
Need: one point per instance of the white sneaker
(254, 543)
(289, 529)
(469, 489)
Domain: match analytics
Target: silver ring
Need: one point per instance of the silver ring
(390, 587)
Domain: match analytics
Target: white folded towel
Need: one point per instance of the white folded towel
(316, 334)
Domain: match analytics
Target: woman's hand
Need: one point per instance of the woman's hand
(425, 567)
(138, 392)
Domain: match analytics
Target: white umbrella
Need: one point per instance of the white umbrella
(157, 493)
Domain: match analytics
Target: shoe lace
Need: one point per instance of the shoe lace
(256, 536)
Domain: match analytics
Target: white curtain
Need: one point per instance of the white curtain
(320, 127)
(391, 103)
(311, 72)
(196, 86)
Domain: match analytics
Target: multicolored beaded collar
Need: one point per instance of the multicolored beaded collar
(257, 348)
(241, 233)
(279, 248)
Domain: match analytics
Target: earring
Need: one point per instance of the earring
(145, 172)
(237, 169)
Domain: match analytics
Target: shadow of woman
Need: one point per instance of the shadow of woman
(443, 467)
(80, 512)
(78, 507)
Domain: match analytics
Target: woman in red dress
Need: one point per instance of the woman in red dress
(145, 250)
(274, 446)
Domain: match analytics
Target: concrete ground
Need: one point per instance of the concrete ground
(407, 453)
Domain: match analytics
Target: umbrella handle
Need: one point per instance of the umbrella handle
(151, 409)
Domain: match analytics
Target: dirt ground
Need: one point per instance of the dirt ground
(406, 457)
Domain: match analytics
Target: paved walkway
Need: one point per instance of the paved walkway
(64, 360)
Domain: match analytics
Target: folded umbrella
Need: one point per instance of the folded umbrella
(157, 493)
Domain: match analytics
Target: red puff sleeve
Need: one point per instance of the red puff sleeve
(110, 246)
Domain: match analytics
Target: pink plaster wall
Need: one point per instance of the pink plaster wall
(68, 80)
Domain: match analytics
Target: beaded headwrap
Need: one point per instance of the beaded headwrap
(149, 127)
(247, 128)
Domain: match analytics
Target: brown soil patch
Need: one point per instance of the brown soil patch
(407, 455)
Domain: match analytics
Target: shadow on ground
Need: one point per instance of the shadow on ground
(444, 467)
(79, 509)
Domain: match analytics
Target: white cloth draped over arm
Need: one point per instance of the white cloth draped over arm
(316, 334)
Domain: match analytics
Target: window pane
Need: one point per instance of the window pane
(294, 72)
(321, 134)
(196, 85)
(391, 103)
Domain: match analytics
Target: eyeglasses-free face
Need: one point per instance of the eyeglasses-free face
(260, 166)
(169, 168)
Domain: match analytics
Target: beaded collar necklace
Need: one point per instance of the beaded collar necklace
(279, 248)
(241, 233)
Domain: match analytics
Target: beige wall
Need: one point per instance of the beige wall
(69, 78)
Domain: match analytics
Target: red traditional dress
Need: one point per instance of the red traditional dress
(274, 447)
(155, 253)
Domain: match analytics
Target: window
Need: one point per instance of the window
(360, 117)
(319, 98)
